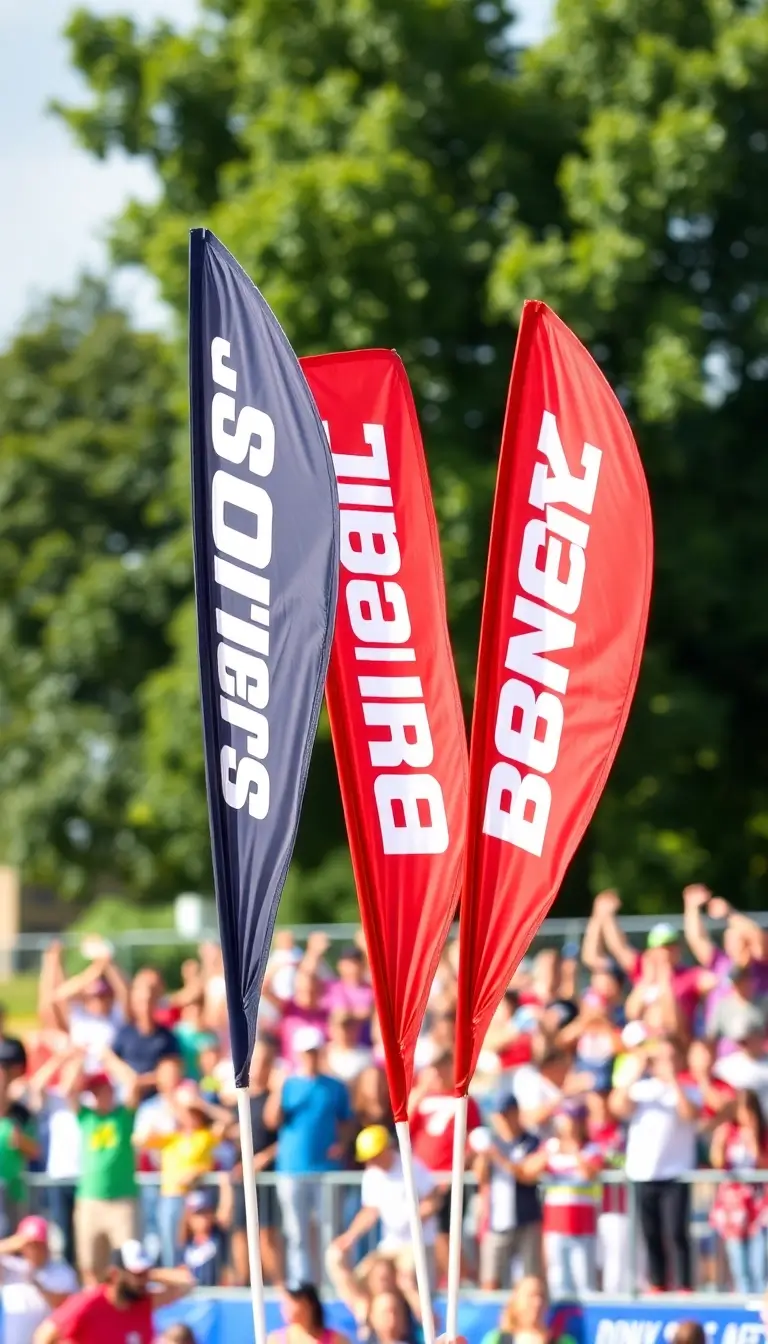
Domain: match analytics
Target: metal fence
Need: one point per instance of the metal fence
(24, 952)
(338, 1198)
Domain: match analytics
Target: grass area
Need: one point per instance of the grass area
(19, 996)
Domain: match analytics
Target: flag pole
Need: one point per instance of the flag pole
(251, 1215)
(457, 1217)
(417, 1231)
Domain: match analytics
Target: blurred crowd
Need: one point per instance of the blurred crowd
(608, 1075)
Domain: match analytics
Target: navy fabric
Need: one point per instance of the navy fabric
(266, 547)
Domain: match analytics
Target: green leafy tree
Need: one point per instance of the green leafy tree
(91, 569)
(395, 172)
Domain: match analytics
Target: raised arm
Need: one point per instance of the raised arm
(592, 942)
(77, 984)
(752, 933)
(50, 1013)
(696, 936)
(123, 1074)
(614, 939)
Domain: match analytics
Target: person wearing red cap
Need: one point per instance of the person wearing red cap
(118, 1311)
(33, 1284)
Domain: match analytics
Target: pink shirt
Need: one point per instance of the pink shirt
(295, 1017)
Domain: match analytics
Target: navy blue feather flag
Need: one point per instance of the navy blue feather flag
(266, 545)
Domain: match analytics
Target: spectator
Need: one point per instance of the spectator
(345, 1058)
(313, 1118)
(186, 1155)
(91, 1006)
(507, 1036)
(32, 1283)
(431, 1115)
(18, 1143)
(572, 1164)
(305, 1008)
(156, 1115)
(352, 993)
(106, 1199)
(659, 964)
(264, 1153)
(596, 1038)
(51, 1102)
(524, 1318)
(304, 1319)
(661, 1148)
(389, 1319)
(738, 1013)
(370, 1099)
(744, 944)
(203, 1249)
(737, 1213)
(118, 1311)
(383, 1198)
(747, 1068)
(359, 1290)
(142, 1043)
(538, 1090)
(513, 1221)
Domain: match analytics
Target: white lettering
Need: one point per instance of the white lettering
(411, 814)
(410, 741)
(561, 487)
(228, 492)
(509, 800)
(519, 701)
(366, 601)
(247, 772)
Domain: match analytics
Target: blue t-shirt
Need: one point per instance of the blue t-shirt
(144, 1051)
(313, 1109)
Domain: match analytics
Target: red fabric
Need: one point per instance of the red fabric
(90, 1318)
(391, 601)
(432, 1126)
(581, 513)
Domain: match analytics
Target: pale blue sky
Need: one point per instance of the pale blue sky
(55, 201)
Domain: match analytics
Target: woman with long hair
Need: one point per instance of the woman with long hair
(737, 1213)
(524, 1318)
(304, 1317)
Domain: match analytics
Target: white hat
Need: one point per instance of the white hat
(306, 1039)
(633, 1035)
(133, 1257)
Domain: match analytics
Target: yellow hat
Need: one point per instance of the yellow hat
(371, 1143)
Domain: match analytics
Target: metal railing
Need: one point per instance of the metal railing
(338, 1188)
(26, 949)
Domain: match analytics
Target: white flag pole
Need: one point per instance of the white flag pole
(417, 1231)
(457, 1217)
(251, 1215)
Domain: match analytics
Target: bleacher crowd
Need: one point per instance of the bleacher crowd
(649, 1062)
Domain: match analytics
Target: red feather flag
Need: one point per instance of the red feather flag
(564, 619)
(396, 718)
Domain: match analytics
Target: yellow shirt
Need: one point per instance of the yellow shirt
(183, 1156)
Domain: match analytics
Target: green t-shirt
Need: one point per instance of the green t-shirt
(12, 1162)
(108, 1165)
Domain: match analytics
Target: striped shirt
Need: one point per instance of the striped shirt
(571, 1198)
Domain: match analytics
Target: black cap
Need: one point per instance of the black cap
(12, 1053)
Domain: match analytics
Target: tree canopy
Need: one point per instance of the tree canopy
(399, 172)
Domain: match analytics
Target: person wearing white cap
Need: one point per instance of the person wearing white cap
(313, 1118)
(120, 1310)
(32, 1283)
